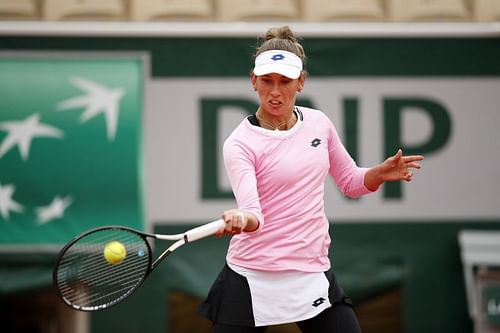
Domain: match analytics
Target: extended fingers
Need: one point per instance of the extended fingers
(412, 161)
(408, 173)
(413, 165)
(412, 158)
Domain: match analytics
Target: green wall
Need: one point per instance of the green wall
(351, 56)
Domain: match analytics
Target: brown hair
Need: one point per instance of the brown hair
(281, 38)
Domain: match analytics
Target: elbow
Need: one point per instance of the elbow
(352, 194)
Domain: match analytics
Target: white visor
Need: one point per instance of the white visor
(278, 61)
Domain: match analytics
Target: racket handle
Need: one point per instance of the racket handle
(204, 230)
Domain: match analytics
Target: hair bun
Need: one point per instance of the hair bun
(283, 32)
(281, 38)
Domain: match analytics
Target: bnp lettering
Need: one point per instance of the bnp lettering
(394, 111)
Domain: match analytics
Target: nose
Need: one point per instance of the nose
(275, 91)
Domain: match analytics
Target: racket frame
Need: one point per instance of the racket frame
(190, 235)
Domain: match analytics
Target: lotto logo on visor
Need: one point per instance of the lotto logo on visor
(278, 61)
(278, 57)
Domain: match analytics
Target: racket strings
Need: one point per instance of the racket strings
(94, 296)
(88, 281)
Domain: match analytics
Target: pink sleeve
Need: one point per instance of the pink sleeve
(239, 162)
(350, 178)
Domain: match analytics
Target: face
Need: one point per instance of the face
(277, 92)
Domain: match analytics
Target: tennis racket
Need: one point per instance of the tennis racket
(89, 278)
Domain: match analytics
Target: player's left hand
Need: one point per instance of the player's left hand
(399, 167)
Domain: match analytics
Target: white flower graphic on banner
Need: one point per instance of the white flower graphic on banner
(55, 210)
(7, 204)
(98, 99)
(22, 132)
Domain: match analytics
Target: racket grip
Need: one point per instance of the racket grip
(204, 230)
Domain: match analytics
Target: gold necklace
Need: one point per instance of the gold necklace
(271, 126)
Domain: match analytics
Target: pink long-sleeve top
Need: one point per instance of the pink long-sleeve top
(279, 176)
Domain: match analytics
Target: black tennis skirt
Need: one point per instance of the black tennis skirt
(229, 301)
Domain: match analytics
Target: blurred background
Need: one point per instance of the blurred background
(114, 112)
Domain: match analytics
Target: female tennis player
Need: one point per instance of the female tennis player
(278, 270)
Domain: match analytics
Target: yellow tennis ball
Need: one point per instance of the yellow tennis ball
(114, 252)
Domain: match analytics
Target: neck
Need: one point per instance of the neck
(282, 125)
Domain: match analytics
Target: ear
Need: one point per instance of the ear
(302, 80)
(253, 79)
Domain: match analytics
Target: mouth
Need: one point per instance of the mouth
(275, 103)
